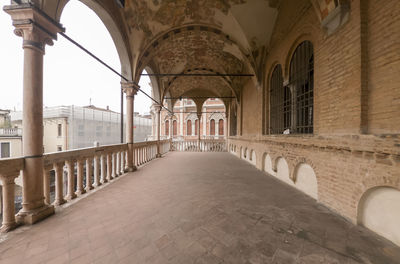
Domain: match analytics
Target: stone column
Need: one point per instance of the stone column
(37, 30)
(158, 128)
(130, 89)
(198, 132)
(226, 125)
(171, 126)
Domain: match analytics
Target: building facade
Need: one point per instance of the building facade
(183, 124)
(74, 127)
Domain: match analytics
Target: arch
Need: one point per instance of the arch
(221, 127)
(267, 167)
(253, 157)
(306, 180)
(301, 38)
(212, 127)
(166, 127)
(189, 127)
(379, 211)
(155, 87)
(279, 102)
(174, 127)
(282, 172)
(119, 38)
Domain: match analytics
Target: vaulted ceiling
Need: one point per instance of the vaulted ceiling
(187, 36)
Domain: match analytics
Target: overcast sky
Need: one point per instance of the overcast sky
(71, 77)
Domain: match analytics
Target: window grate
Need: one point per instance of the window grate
(301, 85)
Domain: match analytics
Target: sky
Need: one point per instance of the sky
(70, 76)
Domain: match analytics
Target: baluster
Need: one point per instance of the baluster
(104, 168)
(46, 185)
(122, 162)
(115, 165)
(79, 177)
(118, 158)
(97, 170)
(59, 182)
(71, 179)
(8, 202)
(109, 167)
(89, 185)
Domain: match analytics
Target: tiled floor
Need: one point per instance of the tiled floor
(196, 208)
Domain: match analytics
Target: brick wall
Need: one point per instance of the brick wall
(356, 141)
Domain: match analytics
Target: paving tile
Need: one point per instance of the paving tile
(196, 208)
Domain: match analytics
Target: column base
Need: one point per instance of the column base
(89, 188)
(83, 191)
(35, 216)
(8, 227)
(134, 168)
(104, 181)
(158, 155)
(71, 197)
(59, 202)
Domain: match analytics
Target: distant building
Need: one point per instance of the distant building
(5, 118)
(74, 127)
(185, 121)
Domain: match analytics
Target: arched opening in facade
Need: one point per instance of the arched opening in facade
(306, 180)
(212, 127)
(189, 128)
(301, 85)
(379, 211)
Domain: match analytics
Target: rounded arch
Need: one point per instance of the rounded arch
(305, 179)
(300, 39)
(120, 39)
(155, 88)
(267, 164)
(253, 157)
(282, 170)
(379, 211)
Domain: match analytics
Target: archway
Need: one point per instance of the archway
(379, 211)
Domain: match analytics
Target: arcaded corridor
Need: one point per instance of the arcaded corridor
(196, 208)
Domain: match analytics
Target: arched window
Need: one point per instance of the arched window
(189, 128)
(167, 128)
(212, 127)
(221, 127)
(301, 84)
(196, 126)
(280, 103)
(175, 128)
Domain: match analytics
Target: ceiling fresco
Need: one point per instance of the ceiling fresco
(177, 36)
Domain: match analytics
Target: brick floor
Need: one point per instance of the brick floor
(196, 208)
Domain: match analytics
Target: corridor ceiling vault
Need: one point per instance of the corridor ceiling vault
(182, 36)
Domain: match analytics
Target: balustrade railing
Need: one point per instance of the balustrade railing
(70, 174)
(204, 145)
(10, 132)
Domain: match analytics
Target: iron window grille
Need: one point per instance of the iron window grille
(301, 89)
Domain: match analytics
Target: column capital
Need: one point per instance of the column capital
(130, 88)
(157, 108)
(35, 27)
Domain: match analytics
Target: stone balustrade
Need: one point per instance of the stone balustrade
(204, 145)
(74, 173)
(9, 170)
